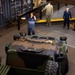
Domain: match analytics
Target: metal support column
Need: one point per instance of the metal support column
(74, 27)
(18, 23)
(58, 6)
(40, 13)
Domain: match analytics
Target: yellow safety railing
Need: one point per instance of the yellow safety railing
(54, 20)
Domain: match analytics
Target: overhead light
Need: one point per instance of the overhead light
(12, 0)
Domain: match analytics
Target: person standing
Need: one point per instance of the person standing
(66, 17)
(31, 24)
(49, 13)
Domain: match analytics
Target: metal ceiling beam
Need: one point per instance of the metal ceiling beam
(64, 1)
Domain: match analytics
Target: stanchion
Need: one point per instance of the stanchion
(74, 27)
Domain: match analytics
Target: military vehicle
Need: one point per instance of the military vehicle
(37, 55)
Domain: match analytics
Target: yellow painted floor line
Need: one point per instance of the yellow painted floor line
(53, 20)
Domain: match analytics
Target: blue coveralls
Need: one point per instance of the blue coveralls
(31, 25)
(66, 17)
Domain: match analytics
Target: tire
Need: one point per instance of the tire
(21, 33)
(51, 68)
(16, 36)
(64, 66)
(63, 38)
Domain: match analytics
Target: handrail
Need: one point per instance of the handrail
(32, 10)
